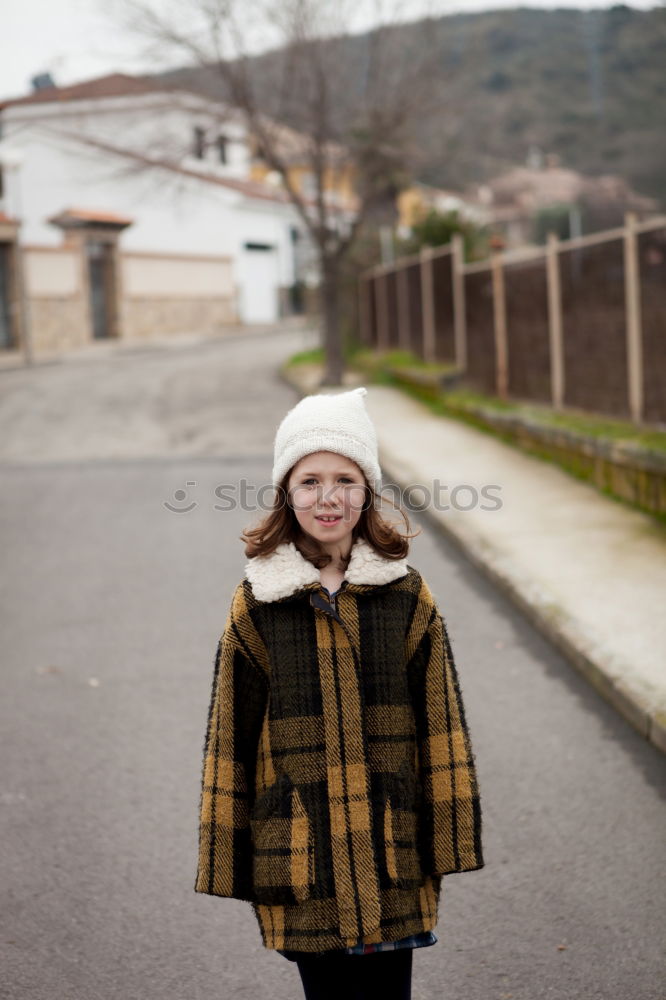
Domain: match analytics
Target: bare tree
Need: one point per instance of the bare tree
(351, 98)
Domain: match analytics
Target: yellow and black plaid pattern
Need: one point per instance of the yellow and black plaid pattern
(338, 777)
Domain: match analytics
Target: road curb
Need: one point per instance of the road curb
(608, 679)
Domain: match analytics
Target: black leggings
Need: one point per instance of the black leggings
(385, 974)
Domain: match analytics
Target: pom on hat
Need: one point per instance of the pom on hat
(337, 422)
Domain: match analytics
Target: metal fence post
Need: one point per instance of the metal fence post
(380, 319)
(427, 304)
(402, 289)
(499, 324)
(364, 290)
(555, 321)
(632, 295)
(458, 288)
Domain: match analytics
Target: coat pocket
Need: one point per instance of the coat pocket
(401, 834)
(283, 864)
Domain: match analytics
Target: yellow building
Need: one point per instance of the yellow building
(339, 174)
(416, 201)
(412, 204)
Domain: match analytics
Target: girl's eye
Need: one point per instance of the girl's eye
(344, 479)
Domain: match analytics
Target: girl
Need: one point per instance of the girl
(339, 783)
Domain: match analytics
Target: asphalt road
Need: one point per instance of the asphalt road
(112, 605)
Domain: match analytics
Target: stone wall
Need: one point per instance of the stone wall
(58, 324)
(143, 318)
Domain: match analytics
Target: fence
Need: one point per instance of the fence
(577, 323)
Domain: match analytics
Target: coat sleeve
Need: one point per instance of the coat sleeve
(235, 716)
(450, 804)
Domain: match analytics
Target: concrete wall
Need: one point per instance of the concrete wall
(156, 294)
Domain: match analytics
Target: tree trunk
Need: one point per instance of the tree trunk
(332, 334)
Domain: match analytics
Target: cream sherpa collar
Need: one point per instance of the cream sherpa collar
(285, 571)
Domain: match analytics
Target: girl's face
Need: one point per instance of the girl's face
(327, 492)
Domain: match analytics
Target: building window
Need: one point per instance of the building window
(222, 149)
(199, 143)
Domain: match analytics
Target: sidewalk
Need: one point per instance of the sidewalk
(589, 572)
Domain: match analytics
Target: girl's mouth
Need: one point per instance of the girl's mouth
(326, 519)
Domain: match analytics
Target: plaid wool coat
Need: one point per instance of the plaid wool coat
(339, 783)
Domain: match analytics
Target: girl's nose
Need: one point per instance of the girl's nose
(329, 493)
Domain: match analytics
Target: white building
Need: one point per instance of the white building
(133, 212)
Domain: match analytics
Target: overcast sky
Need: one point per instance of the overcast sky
(77, 39)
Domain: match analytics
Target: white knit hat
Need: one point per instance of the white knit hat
(336, 422)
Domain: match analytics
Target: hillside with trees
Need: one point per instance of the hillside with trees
(586, 85)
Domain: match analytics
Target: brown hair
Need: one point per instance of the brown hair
(281, 525)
